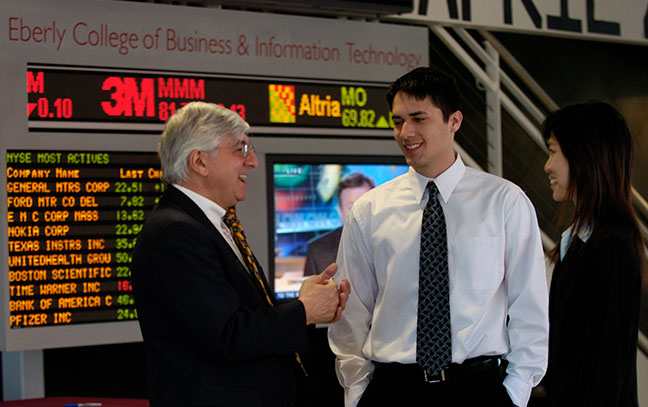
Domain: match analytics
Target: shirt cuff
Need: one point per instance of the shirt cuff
(518, 390)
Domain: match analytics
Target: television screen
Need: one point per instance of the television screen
(306, 211)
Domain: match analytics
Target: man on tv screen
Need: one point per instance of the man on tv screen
(213, 331)
(322, 251)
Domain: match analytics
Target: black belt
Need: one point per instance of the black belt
(468, 369)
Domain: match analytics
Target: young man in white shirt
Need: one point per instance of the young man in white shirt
(495, 267)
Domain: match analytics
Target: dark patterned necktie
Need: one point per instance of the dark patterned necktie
(433, 337)
(234, 225)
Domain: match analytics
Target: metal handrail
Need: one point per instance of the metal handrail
(519, 70)
(458, 50)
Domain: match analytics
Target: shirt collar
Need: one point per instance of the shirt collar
(584, 233)
(212, 210)
(446, 182)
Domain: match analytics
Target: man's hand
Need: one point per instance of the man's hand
(323, 300)
(344, 290)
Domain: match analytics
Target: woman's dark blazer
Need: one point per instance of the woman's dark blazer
(211, 339)
(593, 316)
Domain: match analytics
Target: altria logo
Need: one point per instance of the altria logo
(312, 104)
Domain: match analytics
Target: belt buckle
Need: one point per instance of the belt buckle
(430, 380)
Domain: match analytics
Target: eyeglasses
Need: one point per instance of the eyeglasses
(246, 149)
(243, 148)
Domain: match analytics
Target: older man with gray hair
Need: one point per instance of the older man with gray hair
(213, 332)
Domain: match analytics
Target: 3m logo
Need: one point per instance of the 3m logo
(282, 103)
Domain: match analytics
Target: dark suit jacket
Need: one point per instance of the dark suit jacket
(211, 338)
(593, 316)
(321, 252)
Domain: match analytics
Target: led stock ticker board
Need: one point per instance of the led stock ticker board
(73, 218)
(76, 95)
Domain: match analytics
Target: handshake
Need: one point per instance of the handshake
(323, 299)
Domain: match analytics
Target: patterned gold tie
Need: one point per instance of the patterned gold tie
(234, 225)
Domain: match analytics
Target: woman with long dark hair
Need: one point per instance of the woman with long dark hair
(596, 283)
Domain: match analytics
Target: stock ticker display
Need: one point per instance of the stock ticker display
(73, 219)
(57, 95)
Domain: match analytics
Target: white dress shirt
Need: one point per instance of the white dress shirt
(496, 269)
(215, 214)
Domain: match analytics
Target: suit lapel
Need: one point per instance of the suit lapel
(177, 197)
